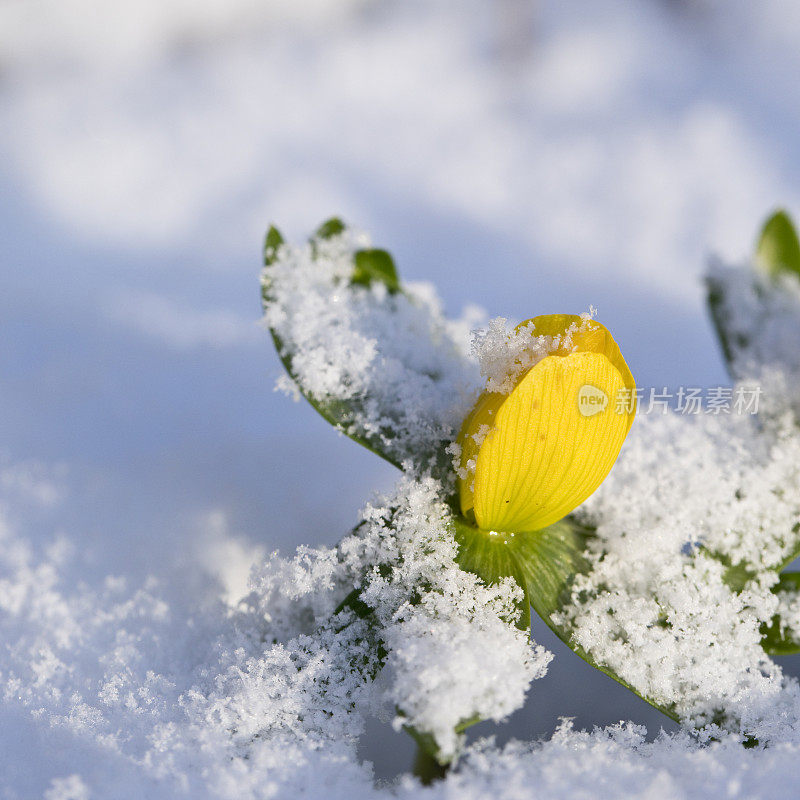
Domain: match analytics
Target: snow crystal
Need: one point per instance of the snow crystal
(619, 762)
(505, 355)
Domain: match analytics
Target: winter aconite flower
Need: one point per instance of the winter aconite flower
(548, 429)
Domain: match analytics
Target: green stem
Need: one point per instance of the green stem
(427, 768)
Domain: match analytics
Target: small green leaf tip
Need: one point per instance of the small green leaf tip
(330, 228)
(272, 242)
(375, 265)
(778, 247)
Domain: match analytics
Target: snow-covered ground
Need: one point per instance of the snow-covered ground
(532, 157)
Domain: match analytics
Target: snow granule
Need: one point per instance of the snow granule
(505, 355)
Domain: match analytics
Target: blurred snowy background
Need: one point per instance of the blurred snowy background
(534, 157)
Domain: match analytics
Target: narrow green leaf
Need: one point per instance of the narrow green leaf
(551, 558)
(375, 265)
(774, 641)
(350, 416)
(736, 576)
(426, 768)
(778, 248)
(777, 251)
(795, 551)
(354, 602)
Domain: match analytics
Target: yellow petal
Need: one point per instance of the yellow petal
(531, 457)
(578, 334)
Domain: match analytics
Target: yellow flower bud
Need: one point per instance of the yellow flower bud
(531, 456)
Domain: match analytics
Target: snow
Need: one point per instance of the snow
(241, 699)
(581, 154)
(758, 313)
(669, 602)
(268, 693)
(205, 704)
(504, 355)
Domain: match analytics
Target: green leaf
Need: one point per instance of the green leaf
(778, 248)
(544, 563)
(375, 265)
(272, 241)
(339, 413)
(775, 642)
(342, 414)
(390, 439)
(777, 251)
(736, 576)
(426, 767)
(354, 602)
(330, 228)
(729, 338)
(795, 551)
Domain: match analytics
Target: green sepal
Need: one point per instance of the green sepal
(375, 266)
(774, 642)
(543, 563)
(491, 558)
(778, 248)
(546, 562)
